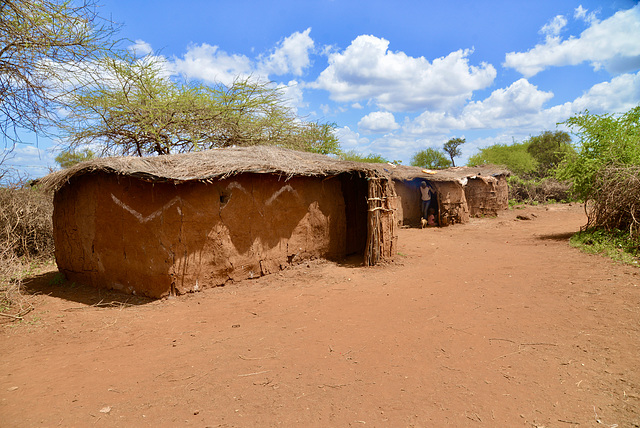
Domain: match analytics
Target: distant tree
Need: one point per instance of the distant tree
(606, 141)
(39, 42)
(354, 156)
(135, 109)
(451, 147)
(514, 157)
(68, 158)
(430, 158)
(549, 149)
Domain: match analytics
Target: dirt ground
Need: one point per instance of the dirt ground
(498, 322)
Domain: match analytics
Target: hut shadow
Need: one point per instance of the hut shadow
(351, 261)
(565, 236)
(53, 284)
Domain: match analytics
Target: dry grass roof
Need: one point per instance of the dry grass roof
(222, 163)
(405, 173)
(207, 164)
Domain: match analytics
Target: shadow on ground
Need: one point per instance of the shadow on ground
(54, 284)
(565, 236)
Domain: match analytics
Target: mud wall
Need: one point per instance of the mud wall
(487, 195)
(451, 202)
(408, 204)
(156, 239)
(452, 206)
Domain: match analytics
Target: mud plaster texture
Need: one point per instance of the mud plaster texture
(486, 196)
(157, 239)
(450, 200)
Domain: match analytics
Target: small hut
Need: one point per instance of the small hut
(461, 192)
(173, 224)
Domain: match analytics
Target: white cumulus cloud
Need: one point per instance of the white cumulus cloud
(554, 27)
(512, 106)
(612, 42)
(213, 65)
(378, 122)
(290, 56)
(367, 70)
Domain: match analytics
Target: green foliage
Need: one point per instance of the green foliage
(69, 158)
(354, 156)
(605, 141)
(137, 110)
(514, 157)
(549, 149)
(451, 147)
(430, 158)
(614, 244)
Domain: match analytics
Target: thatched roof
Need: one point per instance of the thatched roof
(216, 163)
(222, 163)
(406, 173)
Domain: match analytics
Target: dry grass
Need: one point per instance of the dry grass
(26, 239)
(616, 201)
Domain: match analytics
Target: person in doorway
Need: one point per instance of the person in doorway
(431, 218)
(425, 196)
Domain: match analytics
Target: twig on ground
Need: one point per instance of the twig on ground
(253, 374)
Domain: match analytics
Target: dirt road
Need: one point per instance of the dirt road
(494, 323)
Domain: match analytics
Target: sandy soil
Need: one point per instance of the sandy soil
(498, 322)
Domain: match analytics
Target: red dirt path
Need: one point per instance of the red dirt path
(494, 323)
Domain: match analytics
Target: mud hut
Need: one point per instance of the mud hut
(173, 224)
(461, 192)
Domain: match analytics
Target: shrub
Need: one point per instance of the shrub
(538, 190)
(26, 237)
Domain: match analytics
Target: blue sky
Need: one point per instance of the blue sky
(398, 77)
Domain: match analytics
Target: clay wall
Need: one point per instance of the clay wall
(487, 195)
(160, 238)
(451, 202)
(452, 206)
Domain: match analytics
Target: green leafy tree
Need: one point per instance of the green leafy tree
(69, 158)
(514, 157)
(430, 158)
(549, 149)
(605, 141)
(452, 148)
(133, 108)
(354, 156)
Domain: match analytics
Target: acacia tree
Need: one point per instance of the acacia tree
(430, 158)
(134, 108)
(39, 40)
(451, 147)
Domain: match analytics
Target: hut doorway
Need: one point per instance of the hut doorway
(354, 191)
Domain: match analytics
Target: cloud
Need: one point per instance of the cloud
(581, 13)
(291, 56)
(612, 42)
(350, 140)
(553, 28)
(141, 48)
(378, 122)
(292, 95)
(520, 109)
(512, 106)
(367, 70)
(212, 65)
